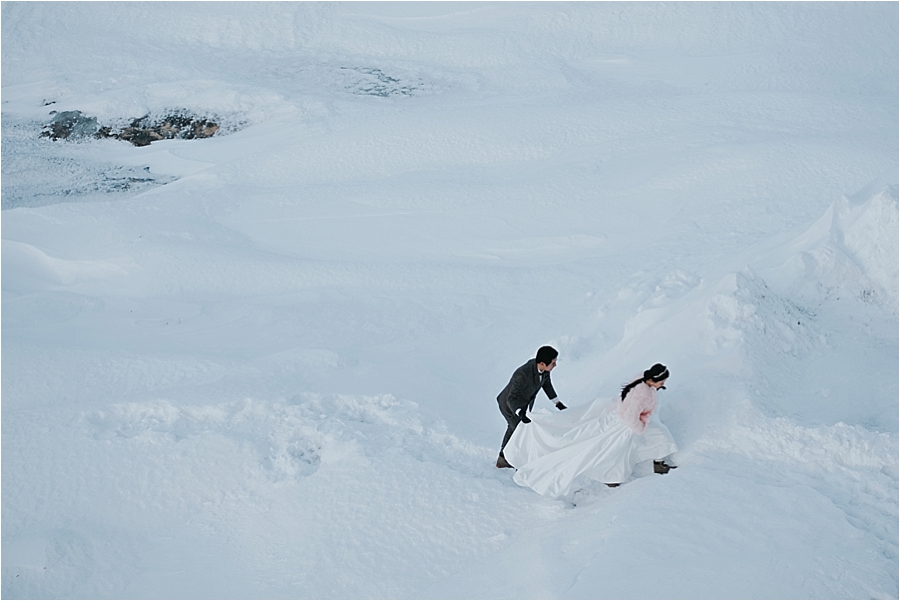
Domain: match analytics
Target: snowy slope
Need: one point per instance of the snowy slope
(263, 365)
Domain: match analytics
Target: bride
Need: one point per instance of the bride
(602, 441)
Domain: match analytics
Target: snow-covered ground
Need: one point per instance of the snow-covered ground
(264, 364)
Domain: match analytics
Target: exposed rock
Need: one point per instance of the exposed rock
(141, 132)
(366, 81)
(70, 124)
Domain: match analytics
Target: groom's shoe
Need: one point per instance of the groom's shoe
(502, 462)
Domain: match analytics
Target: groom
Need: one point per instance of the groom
(519, 394)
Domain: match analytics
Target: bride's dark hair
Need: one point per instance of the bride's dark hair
(657, 373)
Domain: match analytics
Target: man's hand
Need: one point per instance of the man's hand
(525, 419)
(560, 406)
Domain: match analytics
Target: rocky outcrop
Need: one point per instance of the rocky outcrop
(73, 125)
(70, 124)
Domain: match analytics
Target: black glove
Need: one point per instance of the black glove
(560, 406)
(525, 419)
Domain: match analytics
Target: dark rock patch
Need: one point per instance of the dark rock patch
(70, 124)
(74, 125)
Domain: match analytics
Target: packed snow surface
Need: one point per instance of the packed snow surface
(264, 364)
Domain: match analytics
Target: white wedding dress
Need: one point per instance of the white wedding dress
(591, 441)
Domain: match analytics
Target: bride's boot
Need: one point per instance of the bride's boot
(502, 462)
(661, 467)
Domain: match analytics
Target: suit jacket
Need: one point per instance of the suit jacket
(523, 387)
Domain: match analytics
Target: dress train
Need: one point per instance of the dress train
(554, 450)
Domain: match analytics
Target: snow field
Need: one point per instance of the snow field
(288, 483)
(319, 455)
(270, 372)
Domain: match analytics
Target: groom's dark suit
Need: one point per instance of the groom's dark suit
(520, 393)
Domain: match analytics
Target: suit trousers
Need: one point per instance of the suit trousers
(512, 420)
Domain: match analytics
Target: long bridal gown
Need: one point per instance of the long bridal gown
(592, 441)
